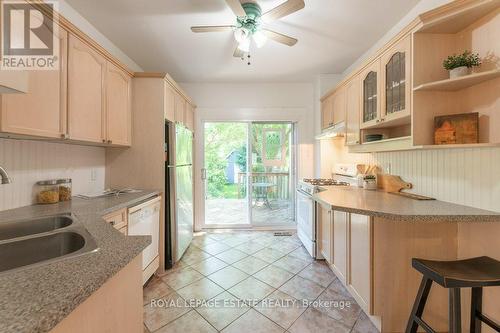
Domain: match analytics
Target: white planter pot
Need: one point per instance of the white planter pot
(459, 71)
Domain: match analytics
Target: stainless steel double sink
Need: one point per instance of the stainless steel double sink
(37, 241)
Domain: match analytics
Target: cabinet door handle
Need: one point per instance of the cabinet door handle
(103, 140)
(110, 141)
(64, 136)
(113, 223)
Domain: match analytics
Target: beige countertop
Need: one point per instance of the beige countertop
(385, 205)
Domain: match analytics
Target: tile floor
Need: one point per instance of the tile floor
(250, 281)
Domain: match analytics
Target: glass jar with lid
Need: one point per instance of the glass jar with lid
(47, 192)
(65, 189)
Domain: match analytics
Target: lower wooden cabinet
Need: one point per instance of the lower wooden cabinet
(359, 281)
(117, 306)
(346, 243)
(340, 244)
(324, 222)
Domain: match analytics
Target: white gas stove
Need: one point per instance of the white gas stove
(343, 175)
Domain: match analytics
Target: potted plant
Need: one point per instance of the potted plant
(460, 65)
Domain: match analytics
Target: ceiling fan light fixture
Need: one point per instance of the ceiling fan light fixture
(244, 45)
(259, 38)
(241, 34)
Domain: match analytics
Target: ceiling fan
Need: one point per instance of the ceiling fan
(249, 20)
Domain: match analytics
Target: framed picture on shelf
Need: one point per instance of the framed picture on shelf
(456, 129)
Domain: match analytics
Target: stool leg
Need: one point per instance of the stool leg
(419, 305)
(476, 307)
(455, 316)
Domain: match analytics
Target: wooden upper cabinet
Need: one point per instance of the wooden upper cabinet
(396, 76)
(169, 103)
(118, 106)
(327, 112)
(86, 92)
(189, 116)
(371, 91)
(339, 105)
(180, 109)
(353, 110)
(41, 111)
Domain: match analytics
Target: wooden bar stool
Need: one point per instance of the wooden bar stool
(474, 273)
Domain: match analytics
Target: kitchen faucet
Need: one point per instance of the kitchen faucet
(5, 177)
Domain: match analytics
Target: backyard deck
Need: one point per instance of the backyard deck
(234, 211)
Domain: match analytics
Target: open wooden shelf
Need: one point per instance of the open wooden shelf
(392, 144)
(459, 83)
(459, 146)
(401, 121)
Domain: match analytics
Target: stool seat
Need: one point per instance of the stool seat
(474, 272)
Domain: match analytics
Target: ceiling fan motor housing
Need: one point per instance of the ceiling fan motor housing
(251, 21)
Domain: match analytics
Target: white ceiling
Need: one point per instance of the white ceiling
(156, 35)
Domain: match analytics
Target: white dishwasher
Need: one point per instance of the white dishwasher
(144, 220)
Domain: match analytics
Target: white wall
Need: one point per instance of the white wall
(262, 102)
(30, 161)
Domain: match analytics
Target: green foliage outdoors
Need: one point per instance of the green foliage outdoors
(466, 59)
(222, 139)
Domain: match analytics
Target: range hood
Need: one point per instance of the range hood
(334, 131)
(12, 82)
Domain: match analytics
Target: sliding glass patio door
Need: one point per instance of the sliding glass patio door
(271, 181)
(248, 174)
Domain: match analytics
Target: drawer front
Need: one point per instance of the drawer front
(117, 219)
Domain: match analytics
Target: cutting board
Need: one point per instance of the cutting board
(390, 183)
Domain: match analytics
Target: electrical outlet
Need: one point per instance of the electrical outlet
(387, 168)
(93, 175)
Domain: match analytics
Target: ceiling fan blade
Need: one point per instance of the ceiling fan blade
(212, 28)
(238, 53)
(236, 7)
(280, 38)
(286, 8)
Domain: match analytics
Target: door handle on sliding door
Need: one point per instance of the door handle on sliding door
(203, 174)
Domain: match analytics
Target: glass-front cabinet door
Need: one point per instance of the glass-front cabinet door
(396, 79)
(370, 85)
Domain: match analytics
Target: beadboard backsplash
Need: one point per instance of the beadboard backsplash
(27, 162)
(468, 177)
